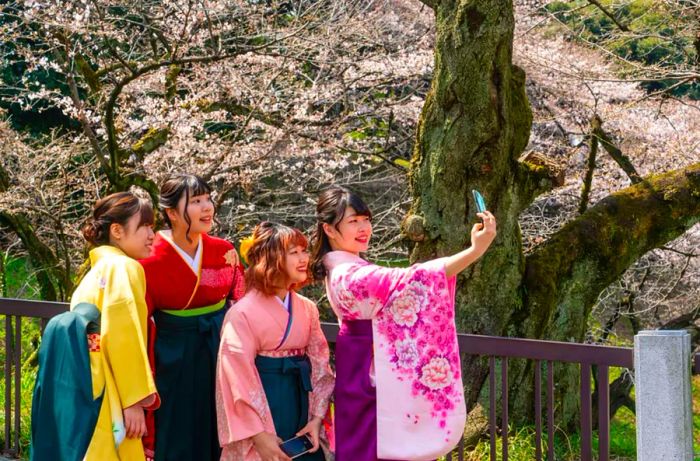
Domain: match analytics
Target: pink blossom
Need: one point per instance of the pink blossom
(406, 353)
(405, 308)
(437, 373)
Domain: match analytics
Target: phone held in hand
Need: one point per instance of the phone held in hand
(479, 200)
(297, 446)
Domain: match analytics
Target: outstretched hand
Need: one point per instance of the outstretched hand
(483, 233)
(482, 236)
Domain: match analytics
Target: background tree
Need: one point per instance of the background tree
(474, 127)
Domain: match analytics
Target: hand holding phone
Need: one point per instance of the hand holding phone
(479, 200)
(297, 446)
(268, 448)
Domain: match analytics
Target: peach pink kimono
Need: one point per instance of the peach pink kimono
(258, 325)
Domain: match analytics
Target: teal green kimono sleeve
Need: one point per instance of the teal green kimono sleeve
(64, 413)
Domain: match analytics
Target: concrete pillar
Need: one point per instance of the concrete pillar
(662, 394)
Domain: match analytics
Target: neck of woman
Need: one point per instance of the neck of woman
(335, 247)
(179, 237)
(281, 292)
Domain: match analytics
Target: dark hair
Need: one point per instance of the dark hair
(330, 209)
(266, 255)
(174, 188)
(116, 208)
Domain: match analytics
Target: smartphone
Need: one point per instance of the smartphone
(297, 446)
(479, 200)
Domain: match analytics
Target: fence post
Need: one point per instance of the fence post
(662, 394)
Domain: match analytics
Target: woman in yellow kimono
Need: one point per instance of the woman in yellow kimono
(120, 231)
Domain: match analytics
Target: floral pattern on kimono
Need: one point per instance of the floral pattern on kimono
(416, 355)
(255, 325)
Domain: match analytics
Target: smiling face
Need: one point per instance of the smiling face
(277, 259)
(296, 265)
(134, 238)
(200, 210)
(351, 234)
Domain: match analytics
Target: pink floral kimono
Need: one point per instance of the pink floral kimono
(399, 393)
(272, 355)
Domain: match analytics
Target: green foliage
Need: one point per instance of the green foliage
(17, 279)
(657, 36)
(26, 391)
(567, 447)
(369, 127)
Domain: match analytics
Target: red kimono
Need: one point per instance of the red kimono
(187, 308)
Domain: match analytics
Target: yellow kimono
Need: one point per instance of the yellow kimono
(118, 359)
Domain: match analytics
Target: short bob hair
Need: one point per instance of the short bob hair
(267, 253)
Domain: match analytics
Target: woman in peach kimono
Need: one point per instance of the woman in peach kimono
(398, 393)
(273, 377)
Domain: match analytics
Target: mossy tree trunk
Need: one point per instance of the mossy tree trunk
(474, 126)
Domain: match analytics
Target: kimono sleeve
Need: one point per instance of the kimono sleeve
(361, 291)
(241, 404)
(123, 342)
(238, 286)
(322, 379)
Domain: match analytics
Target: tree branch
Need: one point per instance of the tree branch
(537, 174)
(53, 283)
(609, 14)
(621, 159)
(431, 3)
(588, 180)
(565, 275)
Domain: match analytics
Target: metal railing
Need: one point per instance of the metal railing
(14, 310)
(503, 349)
(549, 352)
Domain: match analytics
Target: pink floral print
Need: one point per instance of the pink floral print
(412, 311)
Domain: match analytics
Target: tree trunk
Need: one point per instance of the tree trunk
(474, 125)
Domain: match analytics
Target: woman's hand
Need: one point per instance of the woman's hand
(313, 430)
(135, 421)
(267, 446)
(484, 233)
(482, 237)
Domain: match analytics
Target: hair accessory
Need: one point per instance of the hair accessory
(245, 245)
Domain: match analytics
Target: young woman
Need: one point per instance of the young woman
(191, 280)
(273, 380)
(112, 296)
(398, 393)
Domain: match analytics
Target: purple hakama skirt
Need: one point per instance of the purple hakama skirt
(355, 395)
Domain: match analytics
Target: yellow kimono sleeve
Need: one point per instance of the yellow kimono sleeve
(124, 315)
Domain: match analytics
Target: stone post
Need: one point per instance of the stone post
(662, 394)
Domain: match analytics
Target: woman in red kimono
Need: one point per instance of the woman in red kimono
(191, 279)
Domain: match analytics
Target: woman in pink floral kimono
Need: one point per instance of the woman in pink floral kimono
(398, 393)
(273, 380)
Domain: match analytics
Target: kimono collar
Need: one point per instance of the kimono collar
(193, 262)
(333, 259)
(104, 251)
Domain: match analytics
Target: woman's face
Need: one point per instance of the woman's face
(133, 239)
(296, 264)
(352, 234)
(200, 209)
